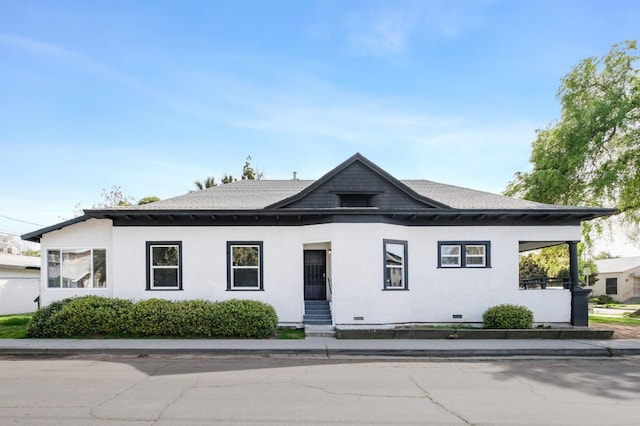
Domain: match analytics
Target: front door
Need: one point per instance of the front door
(315, 273)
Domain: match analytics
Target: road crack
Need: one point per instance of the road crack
(438, 404)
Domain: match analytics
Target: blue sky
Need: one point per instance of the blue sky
(152, 95)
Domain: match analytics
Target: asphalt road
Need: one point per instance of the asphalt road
(188, 390)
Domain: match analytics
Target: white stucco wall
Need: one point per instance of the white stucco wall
(93, 233)
(356, 269)
(625, 284)
(18, 289)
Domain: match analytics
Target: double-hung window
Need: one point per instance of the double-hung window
(244, 265)
(77, 268)
(164, 265)
(464, 254)
(395, 265)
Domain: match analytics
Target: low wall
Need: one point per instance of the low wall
(17, 295)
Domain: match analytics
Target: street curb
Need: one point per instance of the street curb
(431, 353)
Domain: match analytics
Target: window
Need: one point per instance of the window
(611, 285)
(395, 265)
(77, 268)
(164, 265)
(244, 265)
(354, 200)
(469, 254)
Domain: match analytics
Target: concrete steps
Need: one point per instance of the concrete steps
(317, 312)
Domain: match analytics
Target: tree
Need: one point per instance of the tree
(147, 200)
(209, 182)
(591, 156)
(248, 172)
(114, 198)
(604, 255)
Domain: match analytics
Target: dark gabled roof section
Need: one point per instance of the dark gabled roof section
(34, 236)
(358, 175)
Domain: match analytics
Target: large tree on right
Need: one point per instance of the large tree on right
(591, 155)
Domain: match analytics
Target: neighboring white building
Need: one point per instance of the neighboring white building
(619, 278)
(383, 252)
(19, 283)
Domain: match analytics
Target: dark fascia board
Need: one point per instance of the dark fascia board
(449, 216)
(357, 157)
(36, 235)
(586, 213)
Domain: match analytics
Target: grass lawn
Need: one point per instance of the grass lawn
(614, 320)
(289, 333)
(14, 326)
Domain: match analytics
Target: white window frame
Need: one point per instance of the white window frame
(403, 267)
(458, 256)
(463, 256)
(231, 268)
(151, 268)
(482, 256)
(92, 271)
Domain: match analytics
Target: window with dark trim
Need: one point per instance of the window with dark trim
(164, 265)
(464, 254)
(611, 285)
(244, 265)
(395, 265)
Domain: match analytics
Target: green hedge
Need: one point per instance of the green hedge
(94, 316)
(507, 316)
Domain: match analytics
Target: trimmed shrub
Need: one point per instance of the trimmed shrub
(94, 316)
(81, 316)
(248, 319)
(507, 316)
(40, 324)
(601, 299)
(153, 317)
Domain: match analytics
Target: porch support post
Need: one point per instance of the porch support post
(574, 269)
(579, 295)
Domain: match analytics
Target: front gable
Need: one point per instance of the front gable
(357, 183)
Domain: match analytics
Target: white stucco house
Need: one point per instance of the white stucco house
(19, 283)
(377, 251)
(619, 278)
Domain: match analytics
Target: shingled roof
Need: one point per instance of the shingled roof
(304, 202)
(259, 194)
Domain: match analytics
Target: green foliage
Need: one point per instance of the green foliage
(601, 299)
(553, 262)
(507, 316)
(83, 316)
(14, 326)
(209, 182)
(248, 172)
(114, 198)
(591, 156)
(245, 319)
(42, 320)
(148, 200)
(32, 253)
(94, 316)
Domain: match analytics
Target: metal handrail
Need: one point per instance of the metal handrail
(544, 282)
(329, 282)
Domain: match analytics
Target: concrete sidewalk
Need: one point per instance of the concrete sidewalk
(326, 346)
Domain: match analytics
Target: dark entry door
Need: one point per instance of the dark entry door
(315, 272)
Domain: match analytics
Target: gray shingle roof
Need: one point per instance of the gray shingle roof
(620, 264)
(240, 195)
(257, 194)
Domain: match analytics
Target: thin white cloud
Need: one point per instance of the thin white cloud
(387, 29)
(381, 32)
